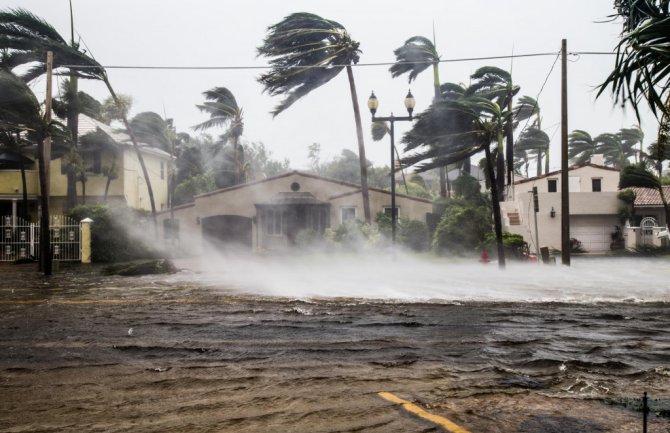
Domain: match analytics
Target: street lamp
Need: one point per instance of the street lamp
(373, 104)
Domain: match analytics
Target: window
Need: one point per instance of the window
(387, 211)
(596, 184)
(552, 185)
(273, 222)
(347, 213)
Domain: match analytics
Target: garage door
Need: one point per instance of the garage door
(593, 232)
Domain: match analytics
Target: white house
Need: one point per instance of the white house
(594, 207)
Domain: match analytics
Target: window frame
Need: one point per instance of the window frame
(343, 208)
(599, 181)
(554, 182)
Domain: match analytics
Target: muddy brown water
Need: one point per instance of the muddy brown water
(204, 359)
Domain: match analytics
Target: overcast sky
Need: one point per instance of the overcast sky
(225, 33)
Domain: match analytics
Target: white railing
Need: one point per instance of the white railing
(19, 239)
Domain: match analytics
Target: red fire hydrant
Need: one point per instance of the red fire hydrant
(484, 258)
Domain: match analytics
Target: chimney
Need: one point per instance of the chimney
(597, 159)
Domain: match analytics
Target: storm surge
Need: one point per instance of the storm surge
(411, 278)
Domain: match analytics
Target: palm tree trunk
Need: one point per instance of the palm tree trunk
(539, 163)
(497, 219)
(83, 191)
(109, 177)
(500, 170)
(145, 172)
(73, 126)
(509, 148)
(443, 181)
(24, 189)
(665, 206)
(361, 146)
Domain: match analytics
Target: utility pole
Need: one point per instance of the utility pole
(565, 188)
(45, 161)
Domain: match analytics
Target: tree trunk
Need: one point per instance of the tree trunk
(24, 189)
(539, 163)
(497, 219)
(138, 152)
(509, 148)
(83, 191)
(109, 177)
(73, 126)
(500, 170)
(443, 181)
(361, 146)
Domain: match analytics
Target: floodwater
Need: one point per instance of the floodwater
(304, 344)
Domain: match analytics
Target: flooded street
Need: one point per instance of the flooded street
(179, 353)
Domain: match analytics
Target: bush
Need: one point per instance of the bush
(414, 234)
(353, 234)
(110, 238)
(462, 229)
(514, 245)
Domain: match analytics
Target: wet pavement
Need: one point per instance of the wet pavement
(82, 352)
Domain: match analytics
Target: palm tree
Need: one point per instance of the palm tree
(525, 109)
(616, 151)
(223, 110)
(631, 137)
(306, 52)
(451, 130)
(536, 142)
(642, 66)
(636, 175)
(14, 144)
(412, 58)
(496, 84)
(20, 111)
(581, 146)
(27, 39)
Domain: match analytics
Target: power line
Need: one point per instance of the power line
(464, 59)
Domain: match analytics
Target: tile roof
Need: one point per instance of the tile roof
(650, 197)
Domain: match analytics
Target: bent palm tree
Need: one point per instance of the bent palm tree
(20, 110)
(307, 51)
(412, 58)
(451, 130)
(642, 66)
(223, 110)
(581, 146)
(631, 137)
(536, 142)
(27, 39)
(496, 84)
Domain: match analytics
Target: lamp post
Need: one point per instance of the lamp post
(373, 104)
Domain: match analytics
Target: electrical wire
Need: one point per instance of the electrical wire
(464, 59)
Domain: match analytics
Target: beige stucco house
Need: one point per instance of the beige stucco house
(270, 213)
(594, 207)
(129, 187)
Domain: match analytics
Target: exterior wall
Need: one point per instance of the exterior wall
(10, 183)
(190, 232)
(593, 215)
(241, 201)
(134, 185)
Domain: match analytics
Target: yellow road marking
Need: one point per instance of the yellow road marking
(416, 410)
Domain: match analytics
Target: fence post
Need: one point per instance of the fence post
(86, 240)
(645, 411)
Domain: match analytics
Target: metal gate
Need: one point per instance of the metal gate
(647, 226)
(19, 239)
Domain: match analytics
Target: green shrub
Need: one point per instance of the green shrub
(110, 238)
(414, 234)
(514, 245)
(462, 229)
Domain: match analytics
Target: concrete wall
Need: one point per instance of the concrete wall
(10, 182)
